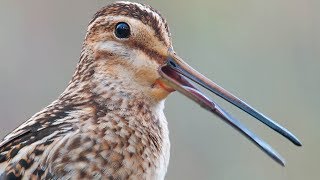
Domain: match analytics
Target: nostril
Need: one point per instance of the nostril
(172, 64)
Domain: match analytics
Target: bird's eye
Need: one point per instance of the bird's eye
(122, 30)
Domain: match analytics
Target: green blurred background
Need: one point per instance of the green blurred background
(264, 51)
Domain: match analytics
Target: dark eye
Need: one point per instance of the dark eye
(122, 30)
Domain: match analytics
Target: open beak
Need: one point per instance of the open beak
(177, 74)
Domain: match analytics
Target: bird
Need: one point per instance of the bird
(109, 122)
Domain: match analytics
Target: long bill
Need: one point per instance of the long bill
(176, 73)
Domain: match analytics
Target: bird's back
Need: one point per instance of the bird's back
(24, 151)
(87, 140)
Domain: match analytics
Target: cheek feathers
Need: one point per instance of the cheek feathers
(134, 61)
(133, 66)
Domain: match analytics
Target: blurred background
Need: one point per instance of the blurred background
(264, 51)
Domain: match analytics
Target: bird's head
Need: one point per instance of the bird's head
(130, 44)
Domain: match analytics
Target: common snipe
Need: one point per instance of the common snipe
(109, 122)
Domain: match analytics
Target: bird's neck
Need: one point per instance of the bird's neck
(110, 98)
(90, 84)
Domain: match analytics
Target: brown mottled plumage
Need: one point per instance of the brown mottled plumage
(109, 122)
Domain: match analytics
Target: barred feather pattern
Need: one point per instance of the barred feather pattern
(75, 136)
(100, 127)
